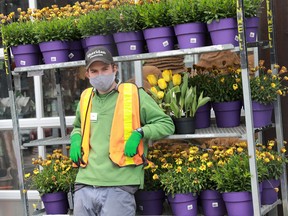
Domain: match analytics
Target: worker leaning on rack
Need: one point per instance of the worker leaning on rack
(112, 121)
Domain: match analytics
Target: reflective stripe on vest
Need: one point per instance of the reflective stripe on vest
(126, 119)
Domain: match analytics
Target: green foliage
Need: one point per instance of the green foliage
(19, 33)
(125, 18)
(234, 175)
(95, 23)
(217, 9)
(55, 29)
(154, 14)
(252, 7)
(184, 11)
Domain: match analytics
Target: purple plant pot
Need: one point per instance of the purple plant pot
(212, 203)
(262, 114)
(129, 43)
(26, 55)
(190, 35)
(159, 39)
(55, 203)
(101, 40)
(203, 116)
(269, 195)
(224, 31)
(183, 204)
(55, 51)
(251, 25)
(238, 203)
(76, 51)
(227, 114)
(150, 202)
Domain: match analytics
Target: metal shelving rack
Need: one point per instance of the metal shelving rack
(242, 131)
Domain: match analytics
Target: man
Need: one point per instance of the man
(106, 142)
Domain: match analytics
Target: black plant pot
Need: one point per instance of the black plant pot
(185, 125)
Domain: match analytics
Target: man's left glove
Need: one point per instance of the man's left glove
(132, 144)
(75, 148)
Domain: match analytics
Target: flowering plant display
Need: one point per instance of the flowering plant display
(174, 95)
(272, 159)
(53, 174)
(266, 85)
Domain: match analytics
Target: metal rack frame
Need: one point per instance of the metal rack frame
(242, 131)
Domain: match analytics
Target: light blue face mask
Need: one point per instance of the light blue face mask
(102, 82)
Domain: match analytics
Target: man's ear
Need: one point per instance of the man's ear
(87, 74)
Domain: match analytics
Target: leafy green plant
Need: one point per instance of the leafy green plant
(217, 9)
(94, 23)
(154, 14)
(125, 18)
(252, 7)
(266, 86)
(184, 11)
(53, 174)
(19, 33)
(234, 174)
(55, 29)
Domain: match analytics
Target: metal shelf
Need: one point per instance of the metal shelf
(267, 208)
(198, 50)
(213, 132)
(49, 141)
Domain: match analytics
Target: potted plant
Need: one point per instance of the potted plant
(226, 96)
(127, 31)
(53, 36)
(157, 26)
(53, 176)
(181, 101)
(220, 16)
(188, 23)
(274, 161)
(179, 177)
(266, 86)
(96, 30)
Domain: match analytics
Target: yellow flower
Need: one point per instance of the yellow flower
(152, 79)
(154, 90)
(160, 94)
(235, 86)
(179, 169)
(162, 84)
(273, 85)
(209, 164)
(155, 177)
(27, 175)
(222, 80)
(167, 74)
(176, 79)
(283, 150)
(36, 171)
(239, 149)
(202, 167)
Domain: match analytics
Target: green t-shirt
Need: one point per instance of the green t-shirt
(101, 171)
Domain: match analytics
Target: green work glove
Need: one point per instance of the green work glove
(132, 144)
(75, 149)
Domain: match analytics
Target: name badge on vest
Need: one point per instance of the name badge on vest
(93, 117)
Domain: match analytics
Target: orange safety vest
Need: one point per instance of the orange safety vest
(126, 119)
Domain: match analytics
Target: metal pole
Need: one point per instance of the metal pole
(248, 107)
(16, 132)
(277, 104)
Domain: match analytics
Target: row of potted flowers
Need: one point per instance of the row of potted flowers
(219, 165)
(113, 19)
(184, 95)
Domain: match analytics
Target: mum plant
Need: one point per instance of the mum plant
(184, 11)
(175, 96)
(217, 9)
(53, 174)
(272, 159)
(178, 173)
(226, 85)
(154, 13)
(265, 85)
(125, 18)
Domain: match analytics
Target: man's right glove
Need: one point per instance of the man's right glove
(75, 148)
(132, 144)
